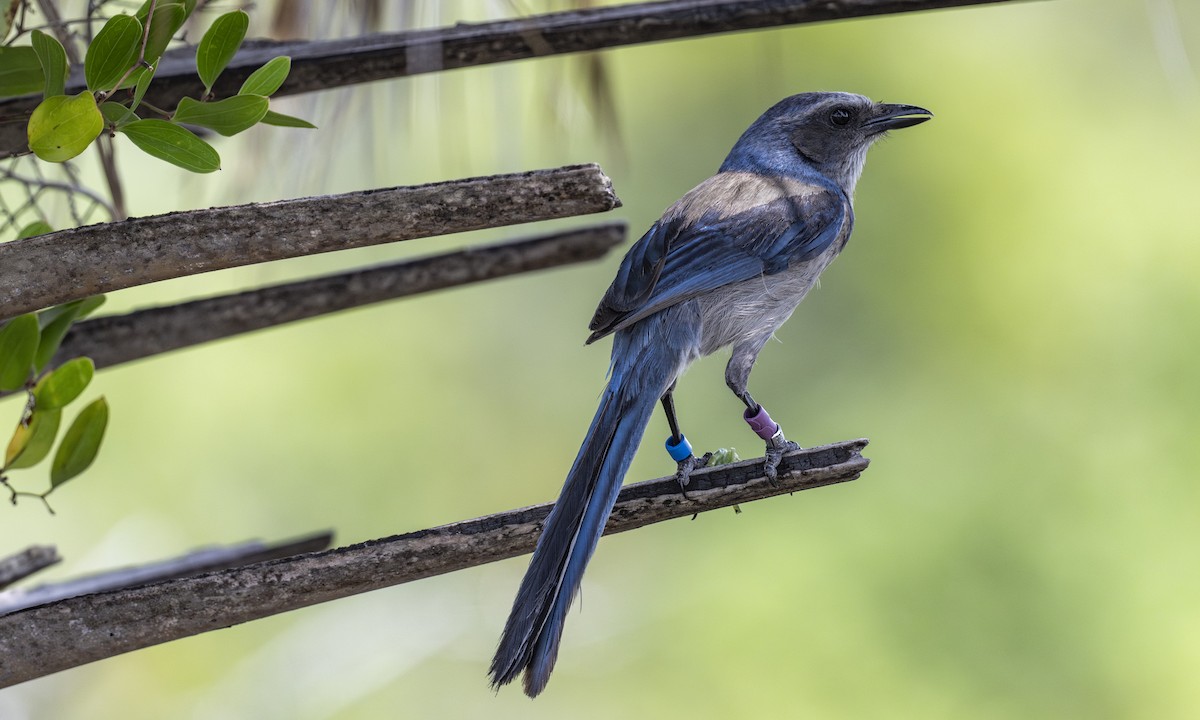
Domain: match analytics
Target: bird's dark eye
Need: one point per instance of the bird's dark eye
(840, 117)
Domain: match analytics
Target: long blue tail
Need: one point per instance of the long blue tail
(642, 370)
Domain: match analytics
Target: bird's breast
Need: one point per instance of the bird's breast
(750, 309)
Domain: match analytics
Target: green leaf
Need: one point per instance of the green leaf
(112, 52)
(174, 144)
(59, 387)
(55, 323)
(168, 18)
(63, 126)
(79, 308)
(144, 78)
(267, 79)
(53, 59)
(724, 456)
(31, 443)
(20, 71)
(18, 344)
(187, 5)
(88, 305)
(281, 120)
(34, 229)
(52, 336)
(116, 114)
(228, 117)
(80, 444)
(219, 45)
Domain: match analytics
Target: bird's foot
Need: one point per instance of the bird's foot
(767, 429)
(680, 451)
(775, 452)
(684, 468)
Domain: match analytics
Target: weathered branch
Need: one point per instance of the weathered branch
(337, 63)
(27, 562)
(49, 269)
(42, 640)
(193, 563)
(117, 339)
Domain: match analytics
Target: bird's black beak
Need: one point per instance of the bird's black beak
(885, 116)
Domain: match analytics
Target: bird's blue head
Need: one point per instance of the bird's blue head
(823, 133)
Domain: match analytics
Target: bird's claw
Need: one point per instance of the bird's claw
(683, 472)
(775, 452)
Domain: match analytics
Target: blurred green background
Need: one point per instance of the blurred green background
(1014, 326)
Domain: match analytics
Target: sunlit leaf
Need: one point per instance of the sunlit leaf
(33, 229)
(59, 387)
(80, 444)
(53, 59)
(112, 52)
(63, 126)
(228, 117)
(56, 322)
(219, 45)
(79, 309)
(186, 5)
(174, 144)
(18, 344)
(52, 336)
(724, 456)
(267, 79)
(20, 71)
(88, 305)
(281, 120)
(144, 78)
(31, 443)
(116, 114)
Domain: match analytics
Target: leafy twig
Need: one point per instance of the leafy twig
(16, 494)
(141, 61)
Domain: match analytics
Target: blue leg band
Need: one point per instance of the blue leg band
(679, 452)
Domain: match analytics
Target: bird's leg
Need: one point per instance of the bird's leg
(737, 376)
(678, 446)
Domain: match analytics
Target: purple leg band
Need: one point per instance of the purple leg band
(761, 423)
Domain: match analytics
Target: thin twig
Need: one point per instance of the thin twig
(36, 558)
(106, 149)
(71, 264)
(55, 21)
(68, 188)
(204, 560)
(42, 640)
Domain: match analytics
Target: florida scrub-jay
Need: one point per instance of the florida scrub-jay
(726, 265)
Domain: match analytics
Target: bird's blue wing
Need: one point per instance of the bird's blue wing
(677, 259)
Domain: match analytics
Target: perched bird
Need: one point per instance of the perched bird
(726, 265)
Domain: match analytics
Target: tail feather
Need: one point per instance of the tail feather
(573, 528)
